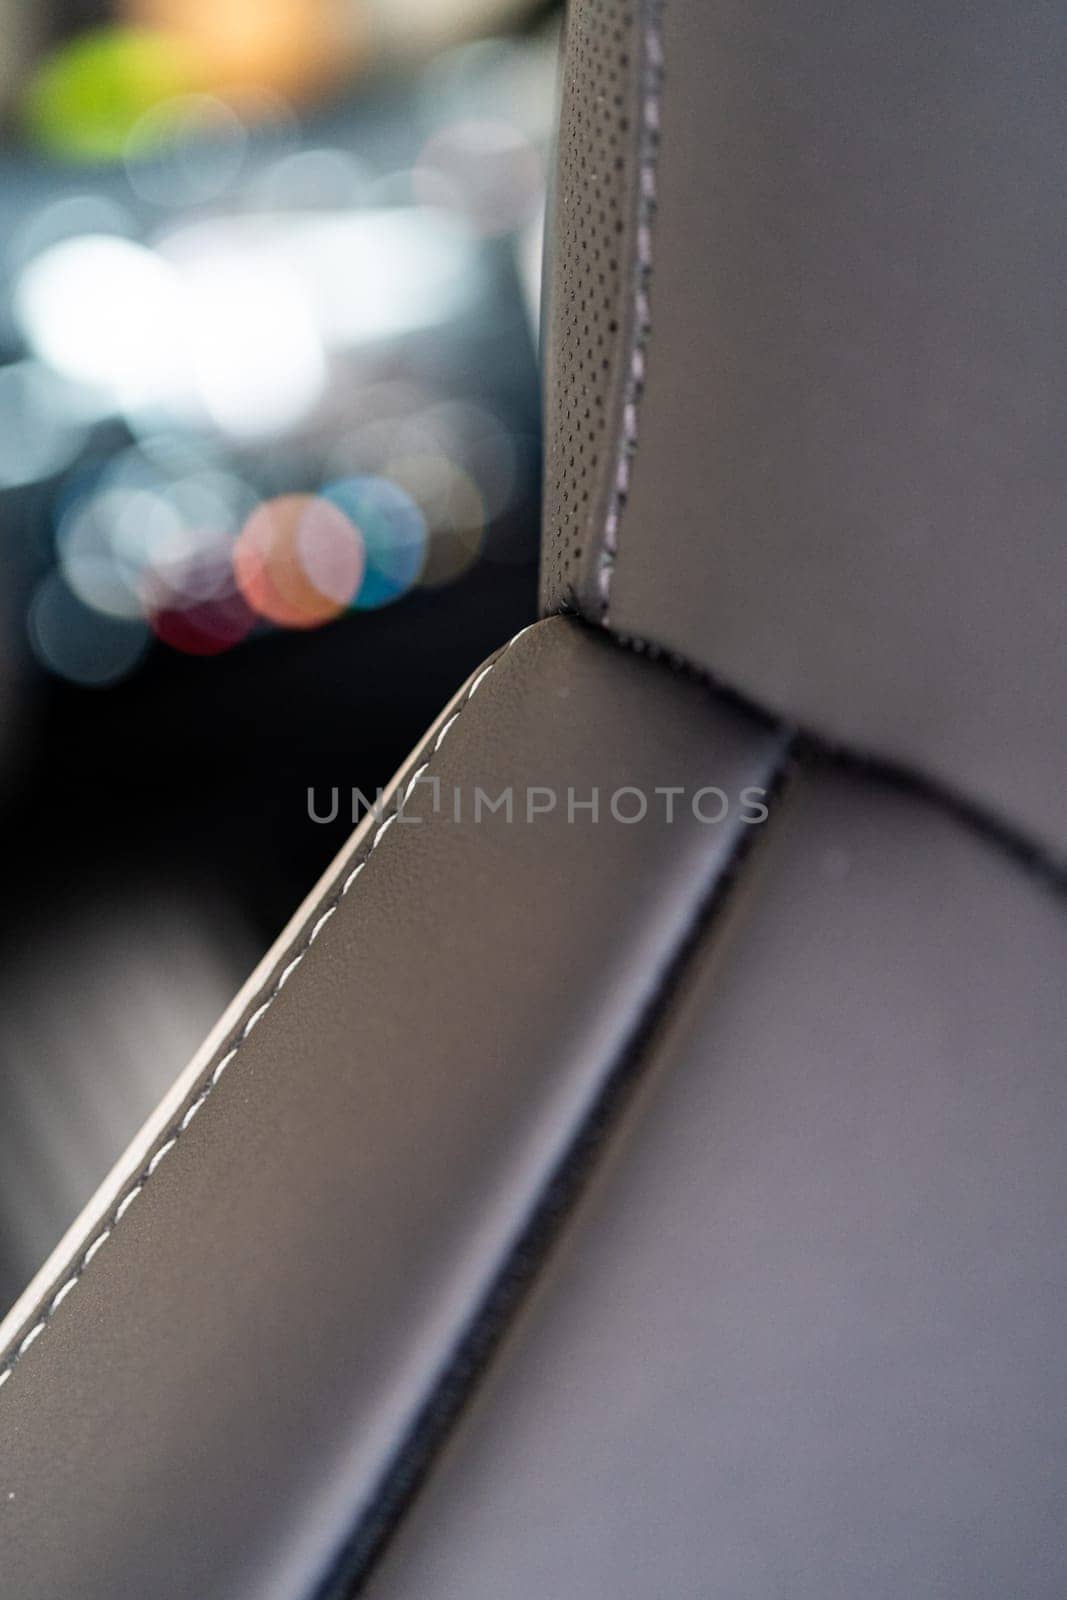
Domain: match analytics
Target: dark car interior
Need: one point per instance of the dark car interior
(636, 1168)
(160, 734)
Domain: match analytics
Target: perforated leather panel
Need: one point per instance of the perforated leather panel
(591, 281)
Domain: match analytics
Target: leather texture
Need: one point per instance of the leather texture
(612, 1210)
(213, 1407)
(843, 470)
(593, 278)
(804, 1334)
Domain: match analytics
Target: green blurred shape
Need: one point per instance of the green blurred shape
(85, 98)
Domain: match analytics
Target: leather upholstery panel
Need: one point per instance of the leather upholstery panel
(212, 1407)
(846, 495)
(804, 1334)
(594, 283)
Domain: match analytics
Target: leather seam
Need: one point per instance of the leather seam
(262, 1002)
(998, 832)
(642, 313)
(549, 1212)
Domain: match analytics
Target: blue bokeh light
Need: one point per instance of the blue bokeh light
(394, 532)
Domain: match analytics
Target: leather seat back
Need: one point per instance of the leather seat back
(807, 388)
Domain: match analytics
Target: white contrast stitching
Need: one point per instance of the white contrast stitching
(221, 1068)
(386, 825)
(37, 1329)
(317, 929)
(160, 1153)
(254, 1018)
(126, 1202)
(443, 733)
(173, 1134)
(416, 776)
(642, 326)
(191, 1113)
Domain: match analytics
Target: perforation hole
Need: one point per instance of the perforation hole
(592, 249)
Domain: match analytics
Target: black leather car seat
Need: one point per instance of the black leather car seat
(655, 1186)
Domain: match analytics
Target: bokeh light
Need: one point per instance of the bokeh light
(476, 439)
(104, 311)
(454, 511)
(295, 47)
(151, 536)
(266, 305)
(372, 274)
(255, 356)
(70, 217)
(232, 323)
(205, 629)
(487, 171)
(394, 533)
(316, 178)
(145, 534)
(78, 643)
(186, 150)
(163, 460)
(299, 560)
(495, 79)
(87, 95)
(40, 432)
(198, 609)
(88, 558)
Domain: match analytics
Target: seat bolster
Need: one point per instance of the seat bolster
(211, 1384)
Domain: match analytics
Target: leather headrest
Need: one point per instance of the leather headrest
(806, 364)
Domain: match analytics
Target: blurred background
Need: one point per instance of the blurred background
(269, 479)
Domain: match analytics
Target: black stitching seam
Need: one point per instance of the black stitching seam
(489, 1320)
(1030, 854)
(562, 1190)
(489, 1323)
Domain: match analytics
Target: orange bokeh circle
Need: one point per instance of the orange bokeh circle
(298, 560)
